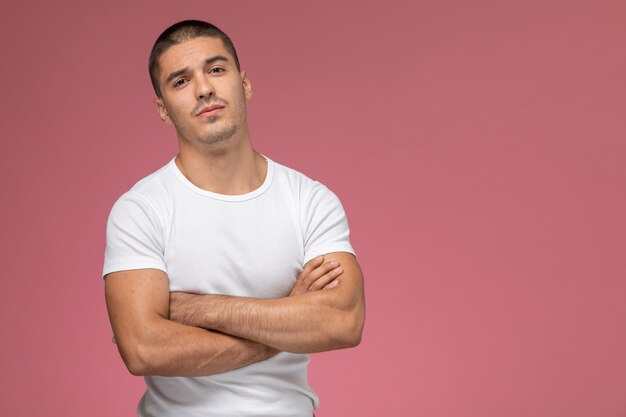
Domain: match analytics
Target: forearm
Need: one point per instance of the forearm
(151, 344)
(324, 311)
(305, 323)
(167, 348)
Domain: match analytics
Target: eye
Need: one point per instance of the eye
(216, 70)
(180, 82)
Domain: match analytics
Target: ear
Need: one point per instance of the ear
(160, 106)
(247, 87)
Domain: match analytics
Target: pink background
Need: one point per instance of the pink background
(478, 147)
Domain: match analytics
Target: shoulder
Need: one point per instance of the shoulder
(303, 185)
(135, 228)
(146, 199)
(322, 219)
(150, 190)
(154, 184)
(315, 202)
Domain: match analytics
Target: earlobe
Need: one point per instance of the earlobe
(160, 106)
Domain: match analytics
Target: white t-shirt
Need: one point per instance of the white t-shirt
(254, 245)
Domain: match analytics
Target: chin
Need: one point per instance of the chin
(228, 132)
(219, 139)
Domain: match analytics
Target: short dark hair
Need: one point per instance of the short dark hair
(181, 32)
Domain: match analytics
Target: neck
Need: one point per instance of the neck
(230, 170)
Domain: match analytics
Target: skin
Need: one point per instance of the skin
(182, 334)
(317, 319)
(214, 152)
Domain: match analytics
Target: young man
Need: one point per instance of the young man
(224, 269)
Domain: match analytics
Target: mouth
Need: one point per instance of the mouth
(210, 110)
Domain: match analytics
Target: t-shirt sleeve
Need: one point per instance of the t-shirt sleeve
(324, 222)
(134, 238)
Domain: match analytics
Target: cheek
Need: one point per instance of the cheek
(178, 108)
(239, 96)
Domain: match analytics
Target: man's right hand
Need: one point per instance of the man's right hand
(317, 275)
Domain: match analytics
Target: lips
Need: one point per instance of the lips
(209, 110)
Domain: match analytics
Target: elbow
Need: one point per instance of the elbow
(136, 368)
(350, 341)
(352, 330)
(356, 338)
(356, 335)
(138, 360)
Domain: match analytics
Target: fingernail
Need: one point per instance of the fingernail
(334, 264)
(333, 284)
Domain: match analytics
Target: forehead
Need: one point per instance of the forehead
(190, 53)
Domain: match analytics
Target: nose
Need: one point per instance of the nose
(204, 87)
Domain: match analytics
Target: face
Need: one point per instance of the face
(203, 93)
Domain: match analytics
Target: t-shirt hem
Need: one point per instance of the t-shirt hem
(329, 249)
(116, 267)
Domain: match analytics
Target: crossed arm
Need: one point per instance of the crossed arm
(190, 334)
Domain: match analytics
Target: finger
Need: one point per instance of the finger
(313, 263)
(322, 270)
(326, 279)
(308, 278)
(303, 281)
(333, 284)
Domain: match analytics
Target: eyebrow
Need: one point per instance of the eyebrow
(207, 61)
